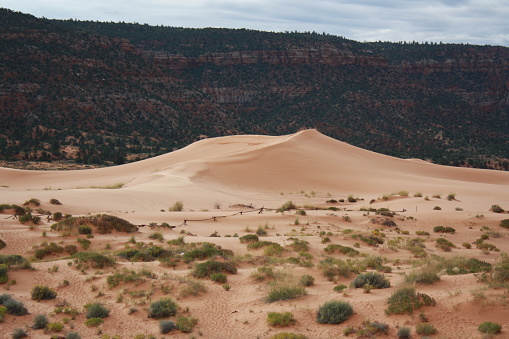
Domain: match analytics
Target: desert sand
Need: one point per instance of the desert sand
(219, 177)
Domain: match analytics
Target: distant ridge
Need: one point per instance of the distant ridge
(110, 93)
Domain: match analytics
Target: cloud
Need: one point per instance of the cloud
(459, 21)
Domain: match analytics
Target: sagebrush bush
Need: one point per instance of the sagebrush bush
(164, 307)
(497, 209)
(334, 312)
(166, 326)
(280, 319)
(96, 310)
(178, 206)
(42, 292)
(94, 322)
(19, 333)
(375, 279)
(404, 333)
(2, 244)
(205, 269)
(15, 307)
(248, 238)
(406, 300)
(504, 223)
(444, 244)
(94, 259)
(489, 327)
(55, 327)
(186, 324)
(425, 276)
(40, 322)
(307, 280)
(289, 205)
(285, 292)
(425, 329)
(73, 335)
(219, 277)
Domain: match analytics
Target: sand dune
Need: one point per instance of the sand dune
(307, 168)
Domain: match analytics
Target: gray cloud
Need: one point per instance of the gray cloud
(459, 21)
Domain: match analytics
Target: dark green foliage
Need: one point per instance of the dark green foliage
(40, 322)
(374, 279)
(94, 322)
(497, 209)
(33, 201)
(472, 265)
(104, 223)
(13, 306)
(280, 319)
(19, 333)
(403, 333)
(444, 244)
(57, 216)
(164, 307)
(332, 248)
(334, 312)
(2, 244)
(425, 329)
(94, 259)
(71, 249)
(504, 223)
(3, 270)
(406, 300)
(84, 229)
(423, 276)
(148, 253)
(489, 327)
(96, 310)
(165, 326)
(261, 232)
(442, 229)
(248, 238)
(42, 292)
(186, 324)
(260, 244)
(55, 202)
(219, 277)
(14, 260)
(285, 292)
(73, 335)
(205, 269)
(207, 250)
(85, 243)
(307, 280)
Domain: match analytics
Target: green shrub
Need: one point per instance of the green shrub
(289, 205)
(103, 222)
(19, 333)
(55, 327)
(288, 335)
(334, 312)
(85, 243)
(375, 279)
(96, 260)
(425, 329)
(280, 319)
(14, 307)
(248, 238)
(3, 270)
(442, 229)
(406, 300)
(497, 209)
(165, 326)
(94, 322)
(307, 280)
(96, 310)
(186, 324)
(285, 292)
(2, 244)
(489, 327)
(156, 236)
(40, 322)
(164, 307)
(205, 269)
(404, 333)
(422, 276)
(340, 288)
(219, 277)
(43, 292)
(71, 249)
(504, 223)
(273, 250)
(84, 229)
(444, 244)
(332, 248)
(73, 335)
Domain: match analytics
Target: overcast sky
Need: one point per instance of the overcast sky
(459, 21)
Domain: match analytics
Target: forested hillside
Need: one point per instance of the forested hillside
(99, 92)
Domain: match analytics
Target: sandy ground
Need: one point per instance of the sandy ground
(212, 177)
